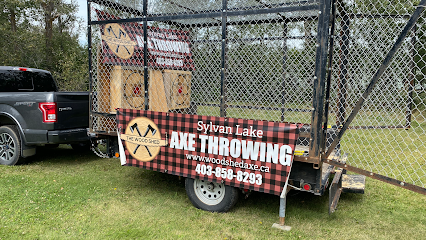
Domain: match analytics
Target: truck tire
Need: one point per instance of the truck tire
(211, 196)
(10, 145)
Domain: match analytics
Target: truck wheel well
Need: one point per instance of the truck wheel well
(26, 151)
(4, 120)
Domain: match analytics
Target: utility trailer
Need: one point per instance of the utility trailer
(241, 96)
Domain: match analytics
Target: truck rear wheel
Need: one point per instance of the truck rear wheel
(10, 147)
(211, 196)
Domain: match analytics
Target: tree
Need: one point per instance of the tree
(44, 34)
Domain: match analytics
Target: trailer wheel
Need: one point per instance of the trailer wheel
(10, 146)
(211, 196)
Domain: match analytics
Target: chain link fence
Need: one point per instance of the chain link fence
(388, 134)
(256, 59)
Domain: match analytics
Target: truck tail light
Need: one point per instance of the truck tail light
(49, 111)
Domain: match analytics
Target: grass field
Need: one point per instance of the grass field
(61, 194)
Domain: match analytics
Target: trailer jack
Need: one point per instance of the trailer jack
(281, 225)
(343, 182)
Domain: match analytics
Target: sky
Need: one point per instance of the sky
(82, 14)
(82, 9)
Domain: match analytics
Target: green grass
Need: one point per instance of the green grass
(60, 194)
(365, 118)
(397, 153)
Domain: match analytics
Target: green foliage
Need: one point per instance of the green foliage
(44, 34)
(72, 73)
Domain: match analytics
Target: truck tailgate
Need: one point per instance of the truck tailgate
(73, 110)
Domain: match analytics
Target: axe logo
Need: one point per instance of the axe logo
(118, 40)
(143, 139)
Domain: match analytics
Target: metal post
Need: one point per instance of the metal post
(329, 74)
(223, 75)
(145, 52)
(281, 225)
(89, 52)
(282, 210)
(285, 31)
(319, 86)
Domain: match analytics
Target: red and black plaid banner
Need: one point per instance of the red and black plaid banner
(167, 48)
(249, 154)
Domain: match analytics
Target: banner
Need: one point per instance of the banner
(123, 44)
(249, 154)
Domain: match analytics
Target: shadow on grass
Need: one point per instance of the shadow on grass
(171, 186)
(295, 200)
(152, 181)
(304, 204)
(63, 154)
(167, 182)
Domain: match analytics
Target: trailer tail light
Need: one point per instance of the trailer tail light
(23, 69)
(307, 187)
(49, 111)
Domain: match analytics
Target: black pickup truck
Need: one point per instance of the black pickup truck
(33, 112)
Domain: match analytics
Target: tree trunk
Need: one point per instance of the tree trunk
(14, 36)
(61, 27)
(48, 27)
(13, 20)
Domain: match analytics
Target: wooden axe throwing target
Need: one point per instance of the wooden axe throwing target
(143, 139)
(134, 90)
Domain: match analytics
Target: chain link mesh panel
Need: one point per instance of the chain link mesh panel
(256, 60)
(388, 134)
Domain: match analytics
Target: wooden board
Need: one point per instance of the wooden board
(157, 93)
(124, 87)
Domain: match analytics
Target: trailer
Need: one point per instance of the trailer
(242, 96)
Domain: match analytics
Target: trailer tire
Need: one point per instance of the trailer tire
(211, 196)
(10, 145)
